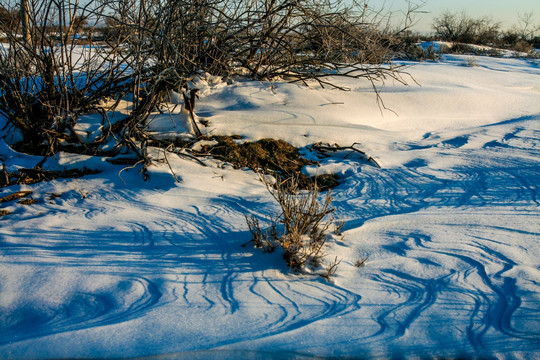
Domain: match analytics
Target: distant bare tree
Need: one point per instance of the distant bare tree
(527, 28)
(464, 29)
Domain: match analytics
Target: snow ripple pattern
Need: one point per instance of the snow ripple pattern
(185, 266)
(442, 274)
(181, 274)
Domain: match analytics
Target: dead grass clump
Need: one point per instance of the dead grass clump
(523, 46)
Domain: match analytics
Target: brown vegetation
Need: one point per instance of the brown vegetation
(269, 155)
(300, 229)
(32, 176)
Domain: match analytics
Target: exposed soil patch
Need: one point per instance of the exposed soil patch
(32, 176)
(272, 155)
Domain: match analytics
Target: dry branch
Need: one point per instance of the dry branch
(324, 149)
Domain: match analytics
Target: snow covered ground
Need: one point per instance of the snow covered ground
(111, 266)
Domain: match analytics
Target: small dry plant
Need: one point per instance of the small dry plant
(471, 62)
(361, 262)
(267, 239)
(331, 269)
(300, 229)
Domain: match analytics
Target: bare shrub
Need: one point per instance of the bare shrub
(47, 80)
(264, 239)
(297, 41)
(301, 228)
(304, 220)
(465, 29)
(338, 226)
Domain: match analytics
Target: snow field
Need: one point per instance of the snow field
(119, 267)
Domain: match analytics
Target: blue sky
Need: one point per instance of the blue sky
(505, 11)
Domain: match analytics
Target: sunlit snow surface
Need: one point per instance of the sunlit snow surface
(119, 267)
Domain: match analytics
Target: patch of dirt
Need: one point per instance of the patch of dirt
(26, 201)
(271, 155)
(32, 176)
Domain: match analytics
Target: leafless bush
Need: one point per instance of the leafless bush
(523, 46)
(304, 220)
(47, 80)
(301, 228)
(293, 40)
(464, 29)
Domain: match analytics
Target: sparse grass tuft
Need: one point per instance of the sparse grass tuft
(471, 61)
(338, 227)
(361, 262)
(331, 269)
